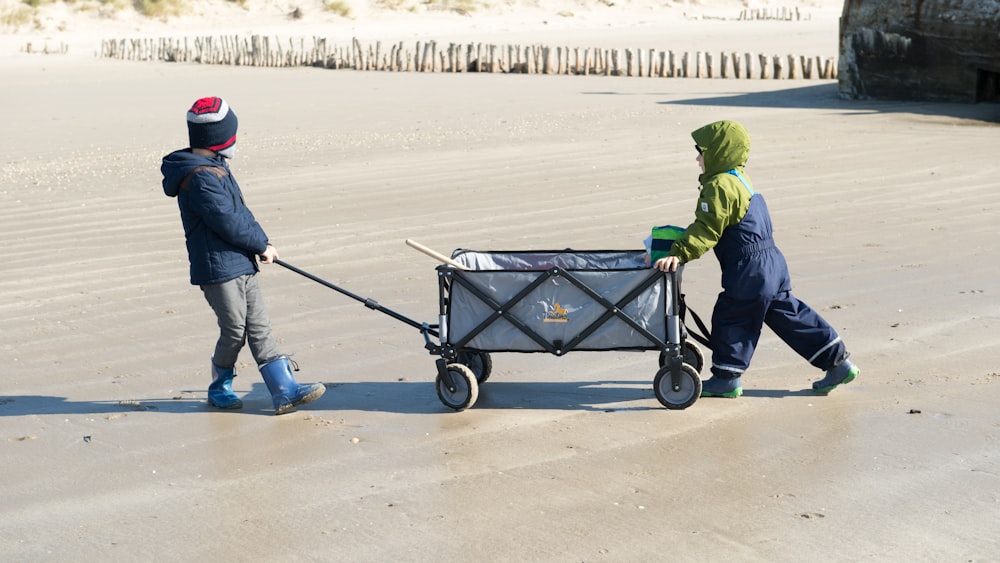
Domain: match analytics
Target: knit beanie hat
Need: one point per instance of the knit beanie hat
(212, 125)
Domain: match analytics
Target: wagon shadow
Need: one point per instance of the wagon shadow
(406, 397)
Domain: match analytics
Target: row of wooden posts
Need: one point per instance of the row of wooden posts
(783, 13)
(31, 49)
(428, 56)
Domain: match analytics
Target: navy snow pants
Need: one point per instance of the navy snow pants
(736, 327)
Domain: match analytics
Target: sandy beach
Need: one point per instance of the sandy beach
(109, 452)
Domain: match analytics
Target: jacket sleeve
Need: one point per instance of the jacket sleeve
(223, 211)
(717, 209)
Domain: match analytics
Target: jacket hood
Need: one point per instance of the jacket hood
(725, 145)
(179, 164)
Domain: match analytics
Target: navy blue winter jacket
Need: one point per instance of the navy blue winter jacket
(223, 238)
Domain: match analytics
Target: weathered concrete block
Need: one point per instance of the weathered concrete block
(939, 50)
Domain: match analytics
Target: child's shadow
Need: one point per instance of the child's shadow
(257, 401)
(21, 405)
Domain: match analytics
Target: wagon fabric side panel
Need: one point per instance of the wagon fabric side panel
(555, 309)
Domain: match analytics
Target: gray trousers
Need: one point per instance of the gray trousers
(239, 307)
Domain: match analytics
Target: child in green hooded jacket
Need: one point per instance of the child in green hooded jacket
(733, 220)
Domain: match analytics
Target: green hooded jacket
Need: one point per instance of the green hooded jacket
(724, 200)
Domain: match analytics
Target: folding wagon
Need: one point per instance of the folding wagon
(556, 302)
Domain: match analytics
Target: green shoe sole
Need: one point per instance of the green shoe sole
(851, 375)
(727, 395)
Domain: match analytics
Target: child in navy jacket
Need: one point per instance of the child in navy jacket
(224, 242)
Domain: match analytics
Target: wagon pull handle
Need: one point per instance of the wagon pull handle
(433, 254)
(368, 302)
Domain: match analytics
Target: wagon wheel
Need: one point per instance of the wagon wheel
(479, 362)
(693, 356)
(684, 395)
(466, 388)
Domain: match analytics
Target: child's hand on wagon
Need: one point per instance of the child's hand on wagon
(668, 264)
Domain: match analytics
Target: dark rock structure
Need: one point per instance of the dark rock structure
(934, 50)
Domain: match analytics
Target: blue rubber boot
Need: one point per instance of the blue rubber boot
(220, 392)
(727, 387)
(285, 391)
(846, 372)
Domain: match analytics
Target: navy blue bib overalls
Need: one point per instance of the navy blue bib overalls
(757, 291)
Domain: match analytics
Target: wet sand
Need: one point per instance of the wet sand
(109, 451)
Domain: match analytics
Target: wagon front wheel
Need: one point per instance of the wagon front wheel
(679, 396)
(465, 390)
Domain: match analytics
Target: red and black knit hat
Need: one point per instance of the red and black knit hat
(212, 125)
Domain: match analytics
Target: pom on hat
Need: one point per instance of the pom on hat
(212, 125)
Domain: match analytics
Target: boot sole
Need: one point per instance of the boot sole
(854, 373)
(231, 407)
(310, 397)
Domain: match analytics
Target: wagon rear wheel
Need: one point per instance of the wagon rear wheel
(681, 396)
(693, 356)
(479, 362)
(465, 391)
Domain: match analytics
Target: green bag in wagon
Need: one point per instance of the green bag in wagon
(662, 239)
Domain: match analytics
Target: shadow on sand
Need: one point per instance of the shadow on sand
(22, 405)
(824, 96)
(401, 397)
